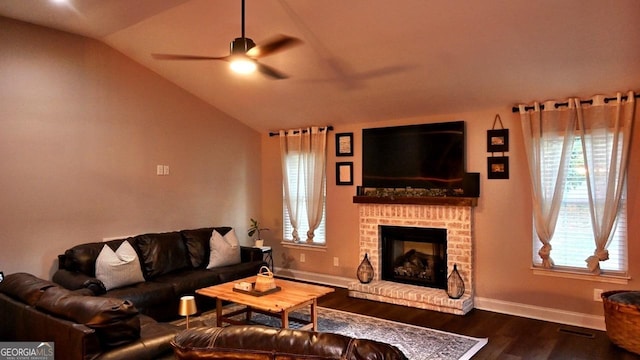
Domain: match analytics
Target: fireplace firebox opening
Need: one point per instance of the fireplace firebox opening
(414, 255)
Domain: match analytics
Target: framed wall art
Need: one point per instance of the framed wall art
(344, 144)
(498, 140)
(344, 173)
(498, 167)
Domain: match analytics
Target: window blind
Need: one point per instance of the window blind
(303, 226)
(573, 239)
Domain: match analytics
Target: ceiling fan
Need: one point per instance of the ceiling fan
(244, 54)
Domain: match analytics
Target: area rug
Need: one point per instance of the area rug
(417, 343)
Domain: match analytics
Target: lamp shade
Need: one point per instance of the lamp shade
(187, 306)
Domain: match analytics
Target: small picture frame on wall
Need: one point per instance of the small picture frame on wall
(344, 173)
(498, 140)
(498, 167)
(344, 144)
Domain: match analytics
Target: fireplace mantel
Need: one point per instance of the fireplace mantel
(424, 200)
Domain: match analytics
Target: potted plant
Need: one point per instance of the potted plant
(254, 228)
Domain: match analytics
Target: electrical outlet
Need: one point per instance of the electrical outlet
(336, 261)
(597, 295)
(159, 169)
(302, 258)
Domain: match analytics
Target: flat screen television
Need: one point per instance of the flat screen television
(430, 156)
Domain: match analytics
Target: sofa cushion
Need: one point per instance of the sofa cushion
(83, 257)
(162, 253)
(224, 250)
(197, 242)
(188, 281)
(144, 294)
(115, 321)
(24, 287)
(118, 268)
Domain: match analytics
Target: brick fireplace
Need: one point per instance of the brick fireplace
(454, 216)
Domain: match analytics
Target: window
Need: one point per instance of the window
(319, 238)
(573, 241)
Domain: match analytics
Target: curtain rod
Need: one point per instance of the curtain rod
(606, 100)
(328, 128)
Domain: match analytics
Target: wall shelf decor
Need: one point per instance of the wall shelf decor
(344, 144)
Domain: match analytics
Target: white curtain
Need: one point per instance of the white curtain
(307, 149)
(290, 148)
(545, 131)
(605, 131)
(315, 141)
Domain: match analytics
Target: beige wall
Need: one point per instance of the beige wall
(82, 129)
(502, 228)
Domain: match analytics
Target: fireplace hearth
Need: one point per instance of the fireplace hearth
(413, 255)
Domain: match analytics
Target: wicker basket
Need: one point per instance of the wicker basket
(622, 321)
(264, 280)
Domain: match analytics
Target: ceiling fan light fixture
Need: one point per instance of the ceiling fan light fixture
(240, 62)
(243, 65)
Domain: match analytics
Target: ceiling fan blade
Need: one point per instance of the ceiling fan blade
(187, 57)
(271, 72)
(272, 46)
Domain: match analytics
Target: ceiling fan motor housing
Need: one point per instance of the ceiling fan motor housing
(241, 45)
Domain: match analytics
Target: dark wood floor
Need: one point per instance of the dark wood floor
(510, 337)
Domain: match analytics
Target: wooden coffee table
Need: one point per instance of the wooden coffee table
(292, 296)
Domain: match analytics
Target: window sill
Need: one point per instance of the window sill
(577, 275)
(310, 247)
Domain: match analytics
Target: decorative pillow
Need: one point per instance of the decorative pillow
(225, 250)
(119, 268)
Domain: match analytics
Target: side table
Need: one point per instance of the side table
(267, 255)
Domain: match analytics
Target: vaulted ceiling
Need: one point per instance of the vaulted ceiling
(369, 60)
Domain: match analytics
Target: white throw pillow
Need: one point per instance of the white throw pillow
(119, 268)
(225, 250)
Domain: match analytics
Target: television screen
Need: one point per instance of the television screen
(419, 156)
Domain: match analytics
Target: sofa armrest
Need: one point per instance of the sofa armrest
(154, 342)
(21, 322)
(250, 254)
(74, 280)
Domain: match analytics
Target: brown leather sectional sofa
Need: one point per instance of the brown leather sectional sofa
(173, 264)
(85, 321)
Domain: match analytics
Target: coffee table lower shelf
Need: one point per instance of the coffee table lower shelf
(286, 319)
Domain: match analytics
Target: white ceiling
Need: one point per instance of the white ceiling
(369, 60)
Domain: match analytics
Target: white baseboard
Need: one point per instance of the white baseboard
(330, 280)
(541, 313)
(499, 306)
